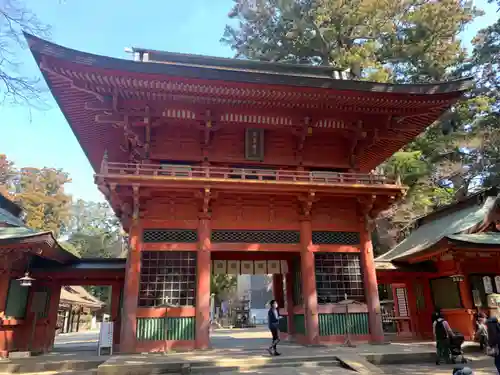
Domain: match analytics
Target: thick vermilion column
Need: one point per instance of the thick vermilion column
(278, 293)
(131, 291)
(371, 286)
(6, 337)
(308, 272)
(289, 299)
(203, 285)
(465, 292)
(51, 323)
(115, 312)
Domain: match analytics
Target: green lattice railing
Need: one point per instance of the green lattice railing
(284, 324)
(335, 324)
(299, 324)
(152, 329)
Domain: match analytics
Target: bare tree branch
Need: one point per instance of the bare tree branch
(15, 87)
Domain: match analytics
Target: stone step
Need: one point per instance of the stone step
(242, 368)
(39, 365)
(214, 366)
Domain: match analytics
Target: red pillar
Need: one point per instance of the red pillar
(51, 323)
(278, 293)
(468, 303)
(131, 291)
(465, 293)
(412, 308)
(203, 261)
(6, 333)
(370, 283)
(115, 312)
(308, 272)
(289, 299)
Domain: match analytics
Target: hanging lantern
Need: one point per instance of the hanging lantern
(26, 280)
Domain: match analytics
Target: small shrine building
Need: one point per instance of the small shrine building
(220, 165)
(33, 268)
(450, 261)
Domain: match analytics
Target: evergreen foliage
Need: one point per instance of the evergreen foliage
(408, 41)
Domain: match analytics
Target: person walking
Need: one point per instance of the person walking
(442, 335)
(481, 334)
(493, 328)
(273, 318)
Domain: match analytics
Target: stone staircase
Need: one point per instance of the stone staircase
(59, 366)
(339, 365)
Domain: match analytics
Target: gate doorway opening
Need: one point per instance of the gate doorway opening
(242, 286)
(82, 310)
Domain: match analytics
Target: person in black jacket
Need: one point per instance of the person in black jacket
(273, 318)
(493, 328)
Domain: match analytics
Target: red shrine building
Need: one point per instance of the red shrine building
(451, 262)
(233, 166)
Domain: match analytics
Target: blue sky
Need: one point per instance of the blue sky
(43, 138)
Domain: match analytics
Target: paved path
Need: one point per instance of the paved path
(76, 341)
(479, 368)
(296, 371)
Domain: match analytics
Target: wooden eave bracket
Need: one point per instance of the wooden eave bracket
(302, 134)
(307, 202)
(205, 196)
(365, 206)
(208, 128)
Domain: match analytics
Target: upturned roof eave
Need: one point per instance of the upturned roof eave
(255, 75)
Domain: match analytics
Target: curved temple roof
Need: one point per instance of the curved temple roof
(78, 80)
(453, 226)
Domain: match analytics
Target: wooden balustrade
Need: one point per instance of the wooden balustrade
(286, 176)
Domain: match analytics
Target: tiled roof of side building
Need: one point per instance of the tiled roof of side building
(444, 225)
(486, 238)
(8, 218)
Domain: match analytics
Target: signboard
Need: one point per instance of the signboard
(497, 283)
(220, 267)
(260, 267)
(254, 144)
(402, 302)
(488, 287)
(105, 337)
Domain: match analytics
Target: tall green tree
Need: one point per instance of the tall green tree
(41, 194)
(95, 231)
(7, 174)
(400, 41)
(408, 41)
(223, 287)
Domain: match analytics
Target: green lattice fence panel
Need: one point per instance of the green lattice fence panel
(153, 329)
(284, 324)
(299, 324)
(335, 324)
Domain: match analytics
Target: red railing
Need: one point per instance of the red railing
(286, 176)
